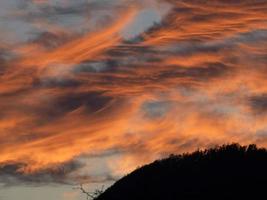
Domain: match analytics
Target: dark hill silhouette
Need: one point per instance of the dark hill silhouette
(226, 172)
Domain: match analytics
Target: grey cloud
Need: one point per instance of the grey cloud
(10, 174)
(55, 82)
(48, 40)
(201, 73)
(258, 103)
(55, 11)
(69, 173)
(92, 101)
(55, 107)
(249, 37)
(96, 66)
(156, 109)
(52, 9)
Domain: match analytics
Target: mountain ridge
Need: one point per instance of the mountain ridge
(227, 171)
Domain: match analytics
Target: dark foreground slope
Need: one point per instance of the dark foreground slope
(226, 172)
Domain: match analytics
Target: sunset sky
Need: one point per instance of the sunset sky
(92, 89)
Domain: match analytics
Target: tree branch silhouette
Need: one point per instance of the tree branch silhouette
(92, 195)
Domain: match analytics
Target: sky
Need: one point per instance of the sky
(92, 89)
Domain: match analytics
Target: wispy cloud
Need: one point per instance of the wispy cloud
(193, 76)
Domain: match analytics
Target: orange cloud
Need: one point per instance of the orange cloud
(196, 79)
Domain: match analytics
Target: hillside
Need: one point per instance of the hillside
(225, 172)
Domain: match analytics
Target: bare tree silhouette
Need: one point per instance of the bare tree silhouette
(90, 195)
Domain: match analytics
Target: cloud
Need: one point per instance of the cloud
(194, 79)
(12, 174)
(72, 172)
(259, 103)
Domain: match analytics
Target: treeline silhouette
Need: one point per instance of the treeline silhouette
(225, 172)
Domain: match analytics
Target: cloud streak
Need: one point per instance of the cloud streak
(193, 80)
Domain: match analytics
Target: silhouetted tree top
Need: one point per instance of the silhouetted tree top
(224, 172)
